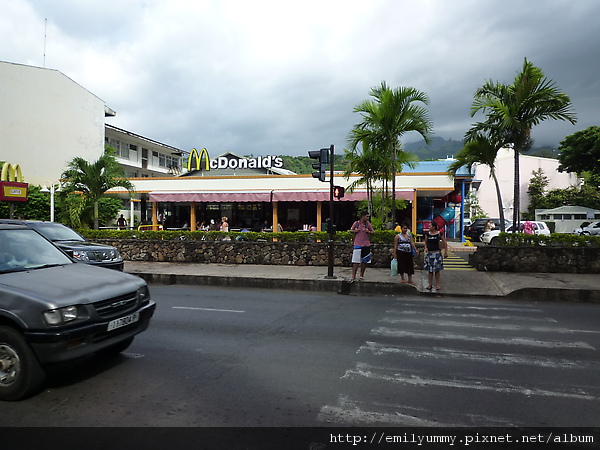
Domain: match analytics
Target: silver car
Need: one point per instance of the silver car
(53, 309)
(593, 229)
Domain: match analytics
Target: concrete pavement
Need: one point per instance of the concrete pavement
(464, 283)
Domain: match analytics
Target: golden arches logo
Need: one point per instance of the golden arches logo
(11, 173)
(197, 156)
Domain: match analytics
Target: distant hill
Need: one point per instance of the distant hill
(441, 148)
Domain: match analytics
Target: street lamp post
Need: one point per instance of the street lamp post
(52, 191)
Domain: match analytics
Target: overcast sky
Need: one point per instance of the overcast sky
(281, 77)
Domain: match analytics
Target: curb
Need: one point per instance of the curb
(344, 287)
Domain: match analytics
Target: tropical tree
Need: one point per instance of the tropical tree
(580, 153)
(91, 181)
(513, 110)
(385, 119)
(481, 149)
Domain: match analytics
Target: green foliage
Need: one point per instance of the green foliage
(587, 196)
(92, 180)
(37, 207)
(537, 186)
(554, 240)
(512, 110)
(302, 165)
(380, 237)
(580, 153)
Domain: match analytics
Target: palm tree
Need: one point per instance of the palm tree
(481, 149)
(94, 179)
(513, 110)
(386, 118)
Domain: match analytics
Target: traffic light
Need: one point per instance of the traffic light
(321, 167)
(338, 191)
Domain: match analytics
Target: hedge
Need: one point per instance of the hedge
(380, 237)
(554, 240)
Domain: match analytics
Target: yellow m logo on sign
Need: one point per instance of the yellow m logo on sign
(197, 157)
(11, 173)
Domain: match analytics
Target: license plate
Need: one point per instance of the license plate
(123, 321)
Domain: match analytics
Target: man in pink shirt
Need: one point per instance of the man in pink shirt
(361, 256)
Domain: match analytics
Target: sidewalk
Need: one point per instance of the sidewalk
(469, 283)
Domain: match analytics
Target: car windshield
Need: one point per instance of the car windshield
(24, 249)
(58, 232)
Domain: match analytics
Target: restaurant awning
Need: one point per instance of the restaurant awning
(264, 196)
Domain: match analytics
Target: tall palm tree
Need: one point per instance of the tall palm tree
(513, 110)
(94, 179)
(386, 118)
(481, 149)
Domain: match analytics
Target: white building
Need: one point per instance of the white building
(567, 218)
(486, 193)
(46, 119)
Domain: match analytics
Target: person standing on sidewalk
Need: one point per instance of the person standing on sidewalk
(434, 262)
(361, 256)
(403, 253)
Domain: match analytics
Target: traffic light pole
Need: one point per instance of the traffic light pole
(330, 224)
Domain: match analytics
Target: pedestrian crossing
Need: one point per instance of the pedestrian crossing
(484, 364)
(454, 262)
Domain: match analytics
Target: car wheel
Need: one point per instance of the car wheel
(20, 372)
(494, 241)
(585, 233)
(117, 348)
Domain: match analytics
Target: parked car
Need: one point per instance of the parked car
(75, 245)
(476, 229)
(491, 237)
(593, 229)
(53, 309)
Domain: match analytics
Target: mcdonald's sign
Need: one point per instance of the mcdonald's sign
(197, 157)
(12, 188)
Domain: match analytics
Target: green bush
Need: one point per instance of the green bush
(380, 237)
(554, 240)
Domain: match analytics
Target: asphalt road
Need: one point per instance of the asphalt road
(216, 357)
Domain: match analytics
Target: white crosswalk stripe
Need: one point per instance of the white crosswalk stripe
(437, 363)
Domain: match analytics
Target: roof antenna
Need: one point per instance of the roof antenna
(45, 29)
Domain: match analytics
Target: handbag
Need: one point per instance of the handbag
(413, 251)
(394, 268)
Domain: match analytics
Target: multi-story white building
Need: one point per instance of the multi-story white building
(142, 157)
(47, 119)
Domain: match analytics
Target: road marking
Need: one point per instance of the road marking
(473, 316)
(438, 305)
(495, 326)
(490, 358)
(478, 384)
(382, 331)
(208, 309)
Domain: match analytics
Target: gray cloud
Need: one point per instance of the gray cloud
(270, 77)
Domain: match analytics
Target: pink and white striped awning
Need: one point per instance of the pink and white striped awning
(263, 197)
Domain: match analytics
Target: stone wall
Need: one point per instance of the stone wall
(240, 252)
(537, 259)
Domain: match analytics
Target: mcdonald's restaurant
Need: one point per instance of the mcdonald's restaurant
(258, 193)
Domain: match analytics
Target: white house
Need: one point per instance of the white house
(567, 218)
(486, 193)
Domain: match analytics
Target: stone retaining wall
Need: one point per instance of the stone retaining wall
(239, 252)
(537, 259)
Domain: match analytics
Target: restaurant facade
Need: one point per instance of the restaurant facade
(258, 193)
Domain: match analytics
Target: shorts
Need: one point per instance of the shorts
(434, 262)
(361, 255)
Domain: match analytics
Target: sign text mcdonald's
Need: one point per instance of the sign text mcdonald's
(199, 160)
(12, 188)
